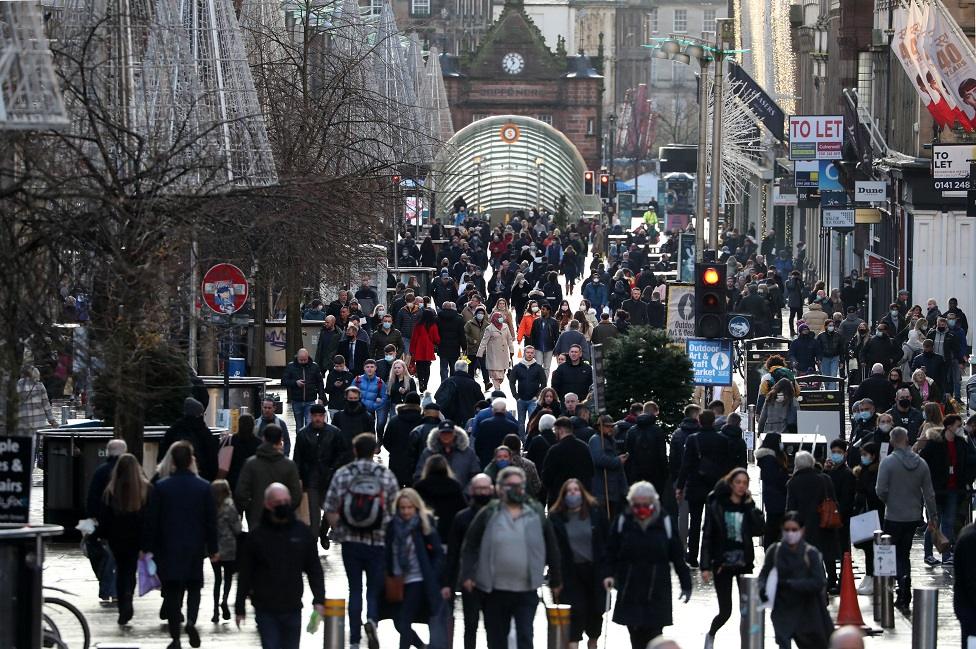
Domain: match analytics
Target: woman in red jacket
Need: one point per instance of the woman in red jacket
(422, 343)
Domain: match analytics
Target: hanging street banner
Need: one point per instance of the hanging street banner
(711, 360)
(907, 31)
(951, 59)
(762, 106)
(681, 312)
(816, 137)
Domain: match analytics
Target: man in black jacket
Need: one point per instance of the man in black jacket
(526, 379)
(575, 375)
(271, 563)
(482, 492)
(352, 420)
(545, 332)
(192, 428)
(450, 325)
(877, 388)
(757, 306)
(302, 379)
(354, 350)
(458, 395)
(647, 449)
(336, 383)
(904, 415)
(492, 431)
(567, 458)
(396, 437)
(706, 456)
(319, 448)
(635, 307)
(656, 313)
(880, 348)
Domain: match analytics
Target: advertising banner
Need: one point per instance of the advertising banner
(762, 106)
(816, 137)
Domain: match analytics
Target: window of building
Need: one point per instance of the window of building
(708, 22)
(375, 7)
(544, 118)
(650, 25)
(590, 127)
(865, 79)
(476, 116)
(420, 7)
(680, 21)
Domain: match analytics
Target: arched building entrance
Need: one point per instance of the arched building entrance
(511, 162)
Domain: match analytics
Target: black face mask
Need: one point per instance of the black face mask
(481, 499)
(904, 404)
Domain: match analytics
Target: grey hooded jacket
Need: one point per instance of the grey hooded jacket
(905, 485)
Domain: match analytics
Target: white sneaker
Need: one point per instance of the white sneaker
(866, 587)
(709, 641)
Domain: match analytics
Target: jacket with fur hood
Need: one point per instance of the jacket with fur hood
(905, 485)
(462, 458)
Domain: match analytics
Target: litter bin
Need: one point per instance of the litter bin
(245, 391)
(235, 367)
(22, 564)
(71, 456)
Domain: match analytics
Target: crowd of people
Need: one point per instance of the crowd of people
(445, 497)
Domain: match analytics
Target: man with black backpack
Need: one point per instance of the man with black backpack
(706, 459)
(358, 506)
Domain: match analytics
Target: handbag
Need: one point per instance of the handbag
(224, 456)
(146, 569)
(829, 515)
(393, 589)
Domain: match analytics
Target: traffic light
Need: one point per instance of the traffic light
(710, 300)
(605, 186)
(588, 189)
(396, 180)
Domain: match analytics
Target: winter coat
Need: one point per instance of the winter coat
(597, 294)
(205, 444)
(880, 349)
(405, 320)
(533, 483)
(335, 386)
(326, 346)
(830, 344)
(878, 388)
(457, 397)
(795, 290)
(181, 526)
(573, 378)
(450, 327)
(569, 338)
(647, 446)
(462, 459)
(244, 448)
(268, 465)
(609, 479)
(676, 452)
(603, 332)
(372, 392)
(527, 380)
(640, 561)
(490, 434)
(352, 420)
(804, 493)
(815, 317)
(228, 529)
(310, 373)
(715, 535)
(272, 561)
(473, 333)
(381, 338)
(355, 352)
(637, 311)
(773, 477)
(430, 555)
(575, 591)
(545, 332)
(497, 347)
(844, 489)
(866, 490)
(935, 452)
(444, 496)
(318, 454)
(964, 591)
(776, 416)
(423, 341)
(396, 440)
(706, 460)
(803, 351)
(800, 606)
(567, 458)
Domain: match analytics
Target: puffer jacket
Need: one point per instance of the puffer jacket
(371, 390)
(462, 459)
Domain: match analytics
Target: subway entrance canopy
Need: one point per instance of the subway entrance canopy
(505, 163)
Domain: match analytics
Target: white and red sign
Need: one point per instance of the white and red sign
(225, 289)
(816, 137)
(875, 266)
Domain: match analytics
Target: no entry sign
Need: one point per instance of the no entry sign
(225, 288)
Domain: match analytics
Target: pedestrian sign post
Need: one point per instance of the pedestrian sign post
(711, 360)
(225, 289)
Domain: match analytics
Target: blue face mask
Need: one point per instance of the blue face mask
(863, 416)
(387, 325)
(389, 358)
(865, 460)
(837, 458)
(501, 464)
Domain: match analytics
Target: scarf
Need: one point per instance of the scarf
(498, 320)
(403, 543)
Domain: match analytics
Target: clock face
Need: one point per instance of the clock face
(513, 63)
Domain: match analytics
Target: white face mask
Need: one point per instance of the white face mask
(792, 537)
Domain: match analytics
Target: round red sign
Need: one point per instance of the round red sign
(225, 288)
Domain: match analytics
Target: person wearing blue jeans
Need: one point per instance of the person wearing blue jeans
(829, 366)
(302, 411)
(302, 379)
(526, 379)
(359, 559)
(279, 630)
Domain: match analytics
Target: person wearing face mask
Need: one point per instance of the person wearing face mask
(581, 529)
(856, 371)
(508, 545)
(481, 492)
(932, 312)
(864, 422)
(272, 578)
(830, 346)
(904, 414)
(895, 321)
(385, 334)
(805, 491)
(596, 292)
(799, 607)
(406, 319)
(496, 349)
(865, 500)
(731, 520)
(933, 364)
(840, 474)
(881, 349)
(642, 549)
(947, 345)
(803, 351)
(795, 290)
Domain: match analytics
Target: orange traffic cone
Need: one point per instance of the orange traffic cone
(849, 611)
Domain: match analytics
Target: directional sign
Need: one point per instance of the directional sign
(711, 360)
(225, 289)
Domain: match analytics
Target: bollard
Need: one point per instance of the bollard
(65, 415)
(876, 597)
(751, 430)
(887, 598)
(925, 619)
(558, 617)
(335, 624)
(752, 628)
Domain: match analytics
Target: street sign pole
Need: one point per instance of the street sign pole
(225, 291)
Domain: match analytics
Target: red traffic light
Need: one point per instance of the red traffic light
(710, 277)
(604, 179)
(396, 180)
(588, 175)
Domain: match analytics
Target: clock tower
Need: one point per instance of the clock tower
(513, 72)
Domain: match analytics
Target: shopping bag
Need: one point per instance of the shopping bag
(146, 570)
(224, 456)
(863, 526)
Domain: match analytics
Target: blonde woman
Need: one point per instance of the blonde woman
(501, 306)
(414, 561)
(120, 522)
(398, 385)
(496, 349)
